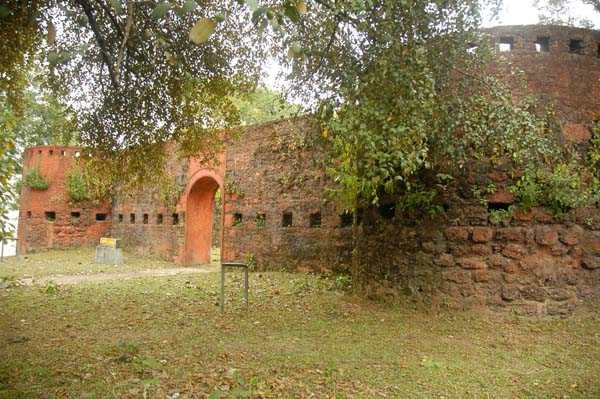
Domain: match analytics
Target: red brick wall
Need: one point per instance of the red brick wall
(568, 80)
(36, 232)
(167, 239)
(278, 168)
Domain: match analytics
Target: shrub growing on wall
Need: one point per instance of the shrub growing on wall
(77, 186)
(35, 180)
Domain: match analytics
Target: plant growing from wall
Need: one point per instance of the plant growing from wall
(260, 220)
(232, 186)
(35, 180)
(559, 188)
(499, 216)
(77, 186)
(594, 163)
(169, 191)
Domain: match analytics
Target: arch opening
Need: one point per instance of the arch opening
(202, 232)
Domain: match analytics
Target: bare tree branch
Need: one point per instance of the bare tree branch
(128, 26)
(89, 12)
(111, 16)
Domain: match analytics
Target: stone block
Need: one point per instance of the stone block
(591, 262)
(480, 276)
(482, 234)
(472, 263)
(571, 235)
(457, 233)
(109, 255)
(576, 132)
(546, 235)
(498, 261)
(501, 197)
(514, 251)
(457, 276)
(444, 260)
(513, 234)
(510, 292)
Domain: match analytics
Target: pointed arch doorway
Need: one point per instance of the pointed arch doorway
(200, 219)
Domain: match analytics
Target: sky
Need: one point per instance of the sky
(523, 12)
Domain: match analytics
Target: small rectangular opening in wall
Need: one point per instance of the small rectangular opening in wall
(51, 152)
(387, 211)
(542, 44)
(175, 219)
(346, 219)
(50, 216)
(159, 218)
(261, 220)
(28, 214)
(598, 51)
(505, 44)
(145, 218)
(237, 219)
(63, 153)
(39, 151)
(576, 46)
(287, 219)
(75, 217)
(315, 219)
(498, 206)
(100, 217)
(120, 218)
(132, 218)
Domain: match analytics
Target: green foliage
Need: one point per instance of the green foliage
(8, 168)
(500, 216)
(77, 186)
(264, 105)
(528, 189)
(170, 191)
(420, 200)
(232, 186)
(261, 220)
(340, 282)
(401, 99)
(560, 189)
(35, 180)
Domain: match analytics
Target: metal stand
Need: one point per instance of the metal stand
(233, 265)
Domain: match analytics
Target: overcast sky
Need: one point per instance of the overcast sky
(523, 12)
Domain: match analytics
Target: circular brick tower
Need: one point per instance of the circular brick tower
(48, 218)
(561, 67)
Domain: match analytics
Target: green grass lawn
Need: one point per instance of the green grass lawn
(158, 337)
(78, 261)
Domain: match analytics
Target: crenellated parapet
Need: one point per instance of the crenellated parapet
(48, 218)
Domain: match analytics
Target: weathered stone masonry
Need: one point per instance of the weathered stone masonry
(277, 212)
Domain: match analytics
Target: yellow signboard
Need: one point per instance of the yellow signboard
(110, 242)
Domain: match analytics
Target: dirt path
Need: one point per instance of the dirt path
(101, 277)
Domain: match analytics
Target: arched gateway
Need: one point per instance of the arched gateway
(200, 205)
